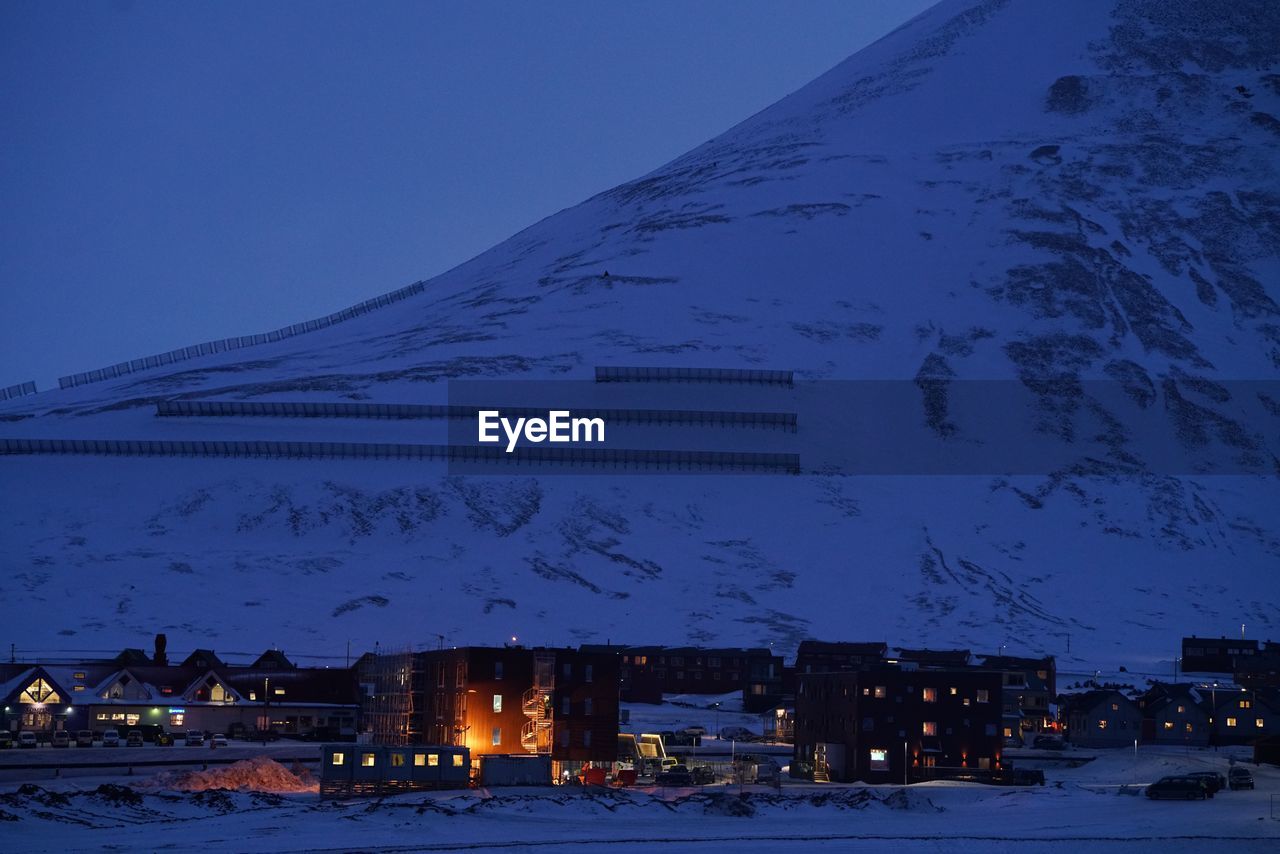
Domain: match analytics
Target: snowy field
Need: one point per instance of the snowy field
(1091, 805)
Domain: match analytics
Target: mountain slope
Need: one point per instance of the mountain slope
(1007, 191)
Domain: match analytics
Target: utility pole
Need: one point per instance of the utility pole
(904, 763)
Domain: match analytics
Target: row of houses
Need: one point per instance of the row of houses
(1191, 714)
(1248, 663)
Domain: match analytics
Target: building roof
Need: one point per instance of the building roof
(817, 647)
(946, 657)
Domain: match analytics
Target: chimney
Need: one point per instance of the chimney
(160, 659)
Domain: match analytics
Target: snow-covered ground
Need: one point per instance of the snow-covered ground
(1084, 807)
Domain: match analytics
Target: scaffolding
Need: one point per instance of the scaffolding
(391, 711)
(538, 705)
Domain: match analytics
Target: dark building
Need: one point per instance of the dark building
(649, 672)
(1246, 715)
(834, 656)
(1103, 718)
(1215, 655)
(1261, 670)
(1030, 686)
(889, 724)
(932, 657)
(1178, 714)
(497, 700)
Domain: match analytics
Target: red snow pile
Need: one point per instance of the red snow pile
(258, 774)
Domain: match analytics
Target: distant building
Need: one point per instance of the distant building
(1177, 714)
(815, 656)
(1246, 715)
(649, 672)
(1261, 670)
(497, 700)
(1103, 718)
(1030, 686)
(1215, 655)
(879, 724)
(932, 657)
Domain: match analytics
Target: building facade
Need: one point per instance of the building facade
(1103, 718)
(649, 672)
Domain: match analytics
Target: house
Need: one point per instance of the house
(1246, 715)
(497, 700)
(649, 672)
(890, 724)
(1215, 655)
(98, 695)
(815, 656)
(1029, 688)
(1177, 713)
(1103, 718)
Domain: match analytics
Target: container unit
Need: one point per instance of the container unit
(360, 769)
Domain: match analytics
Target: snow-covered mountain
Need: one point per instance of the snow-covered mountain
(997, 190)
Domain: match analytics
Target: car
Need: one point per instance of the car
(6, 739)
(84, 738)
(164, 739)
(1239, 778)
(26, 738)
(675, 776)
(703, 775)
(736, 733)
(195, 739)
(60, 738)
(1178, 788)
(695, 730)
(1213, 781)
(134, 738)
(219, 740)
(1048, 742)
(111, 738)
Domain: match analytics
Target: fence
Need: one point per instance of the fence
(226, 344)
(694, 375)
(590, 457)
(284, 409)
(19, 390)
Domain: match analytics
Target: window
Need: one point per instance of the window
(984, 695)
(460, 676)
(587, 673)
(433, 759)
(1115, 707)
(586, 738)
(38, 692)
(440, 675)
(497, 673)
(176, 719)
(564, 705)
(368, 760)
(279, 692)
(397, 760)
(990, 729)
(564, 738)
(79, 674)
(338, 758)
(1168, 724)
(1258, 723)
(586, 706)
(868, 724)
(880, 692)
(713, 661)
(1231, 721)
(1190, 728)
(954, 691)
(568, 670)
(77, 687)
(419, 760)
(1182, 710)
(457, 760)
(497, 703)
(1244, 704)
(1102, 723)
(929, 728)
(879, 759)
(929, 695)
(497, 736)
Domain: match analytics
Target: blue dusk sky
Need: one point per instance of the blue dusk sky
(174, 172)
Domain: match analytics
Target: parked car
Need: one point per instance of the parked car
(1179, 788)
(703, 775)
(695, 730)
(60, 738)
(676, 776)
(6, 739)
(1213, 781)
(219, 740)
(1239, 778)
(134, 738)
(111, 738)
(26, 738)
(1048, 742)
(164, 739)
(195, 738)
(84, 738)
(736, 733)
(666, 763)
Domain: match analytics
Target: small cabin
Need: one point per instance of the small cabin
(347, 770)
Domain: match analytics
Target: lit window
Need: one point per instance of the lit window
(879, 759)
(397, 760)
(419, 760)
(279, 692)
(930, 728)
(368, 760)
(253, 696)
(457, 760)
(983, 695)
(1102, 723)
(497, 736)
(880, 692)
(176, 719)
(338, 758)
(1258, 723)
(433, 759)
(497, 702)
(1244, 704)
(1182, 710)
(929, 695)
(79, 674)
(1190, 728)
(1231, 721)
(954, 691)
(1115, 707)
(1168, 724)
(38, 692)
(77, 687)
